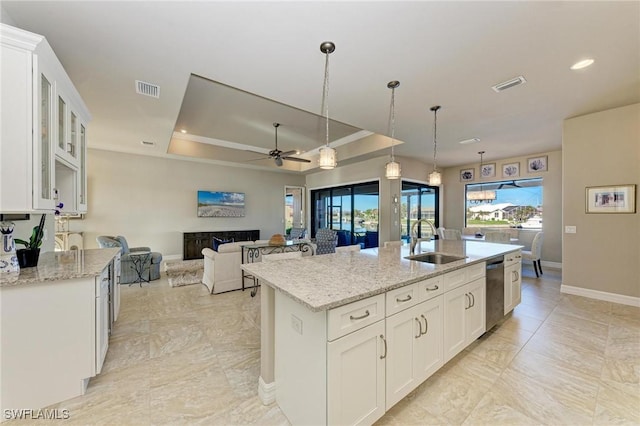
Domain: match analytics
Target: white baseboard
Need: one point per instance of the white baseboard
(552, 265)
(266, 391)
(601, 295)
(172, 257)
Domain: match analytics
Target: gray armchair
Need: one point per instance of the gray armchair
(128, 274)
(326, 241)
(297, 233)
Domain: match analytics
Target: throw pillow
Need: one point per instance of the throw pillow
(218, 241)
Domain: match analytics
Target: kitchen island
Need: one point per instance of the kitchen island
(345, 336)
(54, 323)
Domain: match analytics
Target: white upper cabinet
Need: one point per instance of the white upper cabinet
(44, 123)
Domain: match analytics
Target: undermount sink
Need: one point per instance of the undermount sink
(436, 258)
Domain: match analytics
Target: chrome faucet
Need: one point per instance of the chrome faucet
(414, 233)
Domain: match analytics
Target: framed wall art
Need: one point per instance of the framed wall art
(611, 199)
(511, 170)
(537, 164)
(467, 175)
(488, 170)
(220, 204)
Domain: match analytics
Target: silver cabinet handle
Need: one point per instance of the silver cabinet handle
(406, 299)
(420, 326)
(518, 257)
(468, 300)
(473, 300)
(366, 314)
(383, 356)
(426, 324)
(435, 287)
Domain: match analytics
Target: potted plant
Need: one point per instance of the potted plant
(28, 256)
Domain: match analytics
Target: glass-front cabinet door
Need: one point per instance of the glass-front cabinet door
(73, 136)
(43, 171)
(82, 175)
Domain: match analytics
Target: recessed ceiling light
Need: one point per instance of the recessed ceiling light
(183, 131)
(472, 140)
(582, 64)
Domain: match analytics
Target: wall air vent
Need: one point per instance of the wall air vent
(509, 84)
(147, 89)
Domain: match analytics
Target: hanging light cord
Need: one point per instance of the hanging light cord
(435, 142)
(392, 120)
(325, 96)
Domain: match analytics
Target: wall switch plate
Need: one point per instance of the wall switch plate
(569, 229)
(296, 324)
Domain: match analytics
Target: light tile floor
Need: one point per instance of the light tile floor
(181, 356)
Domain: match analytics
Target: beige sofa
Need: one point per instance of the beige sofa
(222, 271)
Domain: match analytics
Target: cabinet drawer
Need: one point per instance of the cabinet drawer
(428, 289)
(349, 318)
(402, 298)
(462, 276)
(512, 258)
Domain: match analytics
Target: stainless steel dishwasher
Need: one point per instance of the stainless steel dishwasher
(494, 291)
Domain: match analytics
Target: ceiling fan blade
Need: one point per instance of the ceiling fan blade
(288, 153)
(258, 152)
(258, 159)
(299, 160)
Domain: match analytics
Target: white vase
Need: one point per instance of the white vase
(9, 267)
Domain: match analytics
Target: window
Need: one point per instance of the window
(352, 210)
(419, 201)
(515, 203)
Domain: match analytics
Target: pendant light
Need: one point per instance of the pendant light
(392, 169)
(482, 196)
(435, 179)
(328, 157)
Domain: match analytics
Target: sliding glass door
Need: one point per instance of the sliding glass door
(419, 201)
(352, 210)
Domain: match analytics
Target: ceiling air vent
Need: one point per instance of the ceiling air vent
(148, 143)
(509, 84)
(147, 89)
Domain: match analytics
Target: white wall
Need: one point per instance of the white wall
(152, 201)
(601, 149)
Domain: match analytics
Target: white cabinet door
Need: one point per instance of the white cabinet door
(356, 377)
(512, 286)
(464, 317)
(456, 303)
(429, 346)
(404, 330)
(102, 318)
(476, 314)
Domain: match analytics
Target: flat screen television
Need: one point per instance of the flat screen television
(220, 204)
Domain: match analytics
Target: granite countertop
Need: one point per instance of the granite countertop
(332, 280)
(65, 265)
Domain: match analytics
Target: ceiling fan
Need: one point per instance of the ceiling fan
(278, 156)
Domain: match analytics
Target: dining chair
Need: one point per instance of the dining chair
(440, 232)
(498, 237)
(535, 253)
(451, 234)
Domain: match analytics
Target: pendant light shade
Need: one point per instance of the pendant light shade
(482, 196)
(435, 179)
(392, 169)
(328, 155)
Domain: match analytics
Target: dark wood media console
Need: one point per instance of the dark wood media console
(194, 242)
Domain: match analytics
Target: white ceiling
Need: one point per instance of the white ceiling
(446, 53)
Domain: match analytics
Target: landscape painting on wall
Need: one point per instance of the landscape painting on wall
(220, 204)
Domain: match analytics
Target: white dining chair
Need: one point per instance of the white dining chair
(535, 253)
